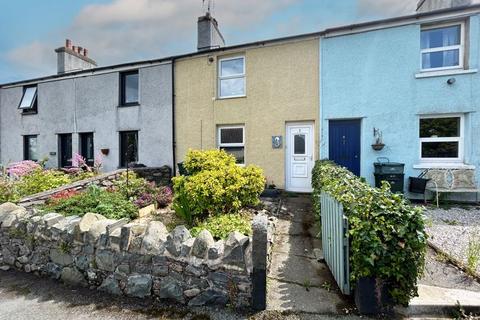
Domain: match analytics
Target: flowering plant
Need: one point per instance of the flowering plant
(22, 168)
(164, 196)
(144, 200)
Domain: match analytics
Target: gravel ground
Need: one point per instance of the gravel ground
(454, 230)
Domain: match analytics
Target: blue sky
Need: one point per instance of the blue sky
(118, 31)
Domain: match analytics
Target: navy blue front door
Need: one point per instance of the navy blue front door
(344, 144)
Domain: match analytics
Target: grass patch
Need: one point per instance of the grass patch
(473, 254)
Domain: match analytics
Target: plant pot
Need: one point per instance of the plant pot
(378, 146)
(270, 193)
(372, 296)
(417, 185)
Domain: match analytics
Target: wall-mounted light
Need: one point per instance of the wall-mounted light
(451, 81)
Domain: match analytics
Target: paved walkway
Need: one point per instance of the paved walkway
(297, 281)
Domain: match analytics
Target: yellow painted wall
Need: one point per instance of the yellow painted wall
(282, 85)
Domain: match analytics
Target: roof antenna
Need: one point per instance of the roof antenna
(210, 6)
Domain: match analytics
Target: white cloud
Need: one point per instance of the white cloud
(36, 57)
(127, 30)
(387, 7)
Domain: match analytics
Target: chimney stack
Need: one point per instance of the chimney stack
(432, 5)
(73, 58)
(209, 36)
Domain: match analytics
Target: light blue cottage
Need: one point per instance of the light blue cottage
(412, 81)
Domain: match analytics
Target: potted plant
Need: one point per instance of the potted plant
(270, 191)
(378, 144)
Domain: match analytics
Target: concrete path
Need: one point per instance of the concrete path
(297, 282)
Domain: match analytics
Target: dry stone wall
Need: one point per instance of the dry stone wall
(131, 259)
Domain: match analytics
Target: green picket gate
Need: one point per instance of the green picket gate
(335, 241)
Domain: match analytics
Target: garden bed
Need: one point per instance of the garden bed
(23, 179)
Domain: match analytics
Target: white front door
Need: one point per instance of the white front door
(299, 153)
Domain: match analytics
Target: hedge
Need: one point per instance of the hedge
(386, 233)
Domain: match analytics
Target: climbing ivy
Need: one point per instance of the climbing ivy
(387, 236)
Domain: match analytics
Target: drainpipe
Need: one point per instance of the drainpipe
(174, 170)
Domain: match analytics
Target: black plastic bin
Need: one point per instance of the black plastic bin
(389, 167)
(396, 181)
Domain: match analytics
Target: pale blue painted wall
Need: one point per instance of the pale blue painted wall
(371, 76)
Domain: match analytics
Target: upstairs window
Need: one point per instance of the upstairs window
(441, 138)
(232, 140)
(30, 151)
(129, 88)
(231, 77)
(28, 104)
(442, 47)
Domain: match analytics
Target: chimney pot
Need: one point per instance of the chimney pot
(74, 48)
(79, 50)
(68, 43)
(85, 52)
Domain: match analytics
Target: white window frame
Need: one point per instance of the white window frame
(226, 145)
(459, 139)
(460, 47)
(235, 76)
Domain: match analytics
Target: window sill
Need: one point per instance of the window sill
(444, 165)
(129, 105)
(442, 73)
(29, 113)
(232, 97)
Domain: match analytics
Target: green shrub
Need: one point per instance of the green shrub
(133, 186)
(41, 180)
(220, 226)
(216, 185)
(8, 190)
(387, 236)
(112, 205)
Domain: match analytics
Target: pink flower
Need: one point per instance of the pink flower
(78, 161)
(22, 168)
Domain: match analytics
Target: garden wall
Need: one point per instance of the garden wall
(132, 259)
(162, 176)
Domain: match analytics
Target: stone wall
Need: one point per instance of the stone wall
(162, 176)
(104, 180)
(131, 259)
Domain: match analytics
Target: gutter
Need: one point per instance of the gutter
(174, 167)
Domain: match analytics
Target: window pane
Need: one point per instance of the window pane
(232, 87)
(440, 127)
(28, 98)
(87, 147)
(231, 135)
(441, 37)
(129, 147)
(299, 144)
(32, 148)
(231, 67)
(450, 58)
(237, 152)
(130, 83)
(439, 149)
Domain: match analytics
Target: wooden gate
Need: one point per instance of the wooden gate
(335, 241)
